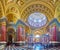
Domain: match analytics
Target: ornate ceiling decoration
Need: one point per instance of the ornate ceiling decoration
(38, 8)
(57, 10)
(11, 17)
(23, 8)
(13, 10)
(1, 10)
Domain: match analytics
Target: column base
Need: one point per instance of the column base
(3, 43)
(20, 43)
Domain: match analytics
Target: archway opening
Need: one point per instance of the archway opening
(10, 36)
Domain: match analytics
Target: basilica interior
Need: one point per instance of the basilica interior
(30, 22)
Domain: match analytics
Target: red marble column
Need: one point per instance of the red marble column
(19, 32)
(23, 34)
(3, 31)
(54, 34)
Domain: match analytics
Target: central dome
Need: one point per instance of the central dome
(37, 20)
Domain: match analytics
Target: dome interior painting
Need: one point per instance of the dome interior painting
(37, 20)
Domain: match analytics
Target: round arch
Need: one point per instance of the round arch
(12, 5)
(57, 11)
(12, 17)
(11, 31)
(1, 10)
(14, 9)
(37, 6)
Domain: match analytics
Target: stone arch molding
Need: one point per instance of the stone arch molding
(57, 11)
(12, 17)
(37, 6)
(1, 10)
(12, 8)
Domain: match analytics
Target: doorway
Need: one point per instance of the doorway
(9, 40)
(10, 36)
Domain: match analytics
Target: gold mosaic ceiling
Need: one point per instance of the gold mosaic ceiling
(21, 9)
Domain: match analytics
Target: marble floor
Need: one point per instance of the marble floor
(25, 48)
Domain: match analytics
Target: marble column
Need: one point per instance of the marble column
(19, 32)
(54, 34)
(3, 27)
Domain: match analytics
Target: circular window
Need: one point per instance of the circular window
(37, 20)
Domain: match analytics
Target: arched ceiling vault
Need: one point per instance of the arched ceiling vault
(14, 9)
(57, 10)
(11, 17)
(37, 6)
(26, 7)
(1, 10)
(49, 2)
